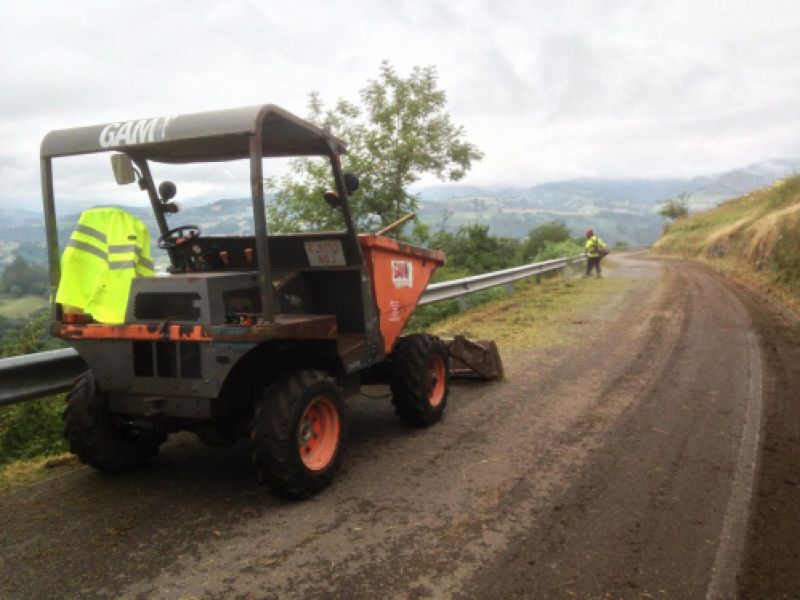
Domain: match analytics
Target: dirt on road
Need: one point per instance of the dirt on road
(653, 455)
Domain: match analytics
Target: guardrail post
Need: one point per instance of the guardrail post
(510, 287)
(462, 303)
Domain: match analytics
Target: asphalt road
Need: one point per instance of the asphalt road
(655, 457)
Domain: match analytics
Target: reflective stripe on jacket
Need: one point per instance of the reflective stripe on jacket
(107, 249)
(593, 245)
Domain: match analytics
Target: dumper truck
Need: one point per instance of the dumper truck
(261, 335)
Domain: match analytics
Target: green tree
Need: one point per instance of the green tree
(22, 277)
(538, 237)
(398, 131)
(473, 250)
(676, 208)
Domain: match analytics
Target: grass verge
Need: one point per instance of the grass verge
(23, 472)
(30, 437)
(535, 315)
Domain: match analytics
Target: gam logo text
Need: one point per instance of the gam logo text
(143, 131)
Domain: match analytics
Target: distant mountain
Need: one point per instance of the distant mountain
(622, 209)
(18, 219)
(619, 209)
(705, 192)
(546, 194)
(448, 191)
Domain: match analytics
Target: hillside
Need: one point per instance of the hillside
(619, 209)
(756, 238)
(622, 209)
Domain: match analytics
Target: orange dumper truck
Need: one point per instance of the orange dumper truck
(261, 336)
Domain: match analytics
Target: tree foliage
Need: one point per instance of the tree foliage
(32, 336)
(30, 429)
(552, 250)
(22, 278)
(398, 131)
(553, 232)
(472, 249)
(676, 208)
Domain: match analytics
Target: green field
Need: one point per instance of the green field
(16, 308)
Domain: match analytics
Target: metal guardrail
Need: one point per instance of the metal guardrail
(40, 374)
(456, 288)
(45, 373)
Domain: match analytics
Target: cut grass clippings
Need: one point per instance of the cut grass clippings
(23, 472)
(536, 315)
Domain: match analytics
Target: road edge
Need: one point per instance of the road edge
(733, 536)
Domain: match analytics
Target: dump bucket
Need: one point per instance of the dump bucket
(400, 274)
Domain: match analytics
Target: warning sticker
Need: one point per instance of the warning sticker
(402, 275)
(325, 253)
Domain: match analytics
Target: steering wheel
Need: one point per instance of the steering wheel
(177, 236)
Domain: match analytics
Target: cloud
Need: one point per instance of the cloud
(547, 90)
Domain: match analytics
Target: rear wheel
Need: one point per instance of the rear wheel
(297, 434)
(420, 383)
(92, 435)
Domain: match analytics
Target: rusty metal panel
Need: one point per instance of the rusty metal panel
(475, 359)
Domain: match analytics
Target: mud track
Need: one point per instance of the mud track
(656, 456)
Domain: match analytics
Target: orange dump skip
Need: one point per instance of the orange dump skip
(400, 274)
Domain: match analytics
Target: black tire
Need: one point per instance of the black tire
(283, 431)
(421, 368)
(92, 436)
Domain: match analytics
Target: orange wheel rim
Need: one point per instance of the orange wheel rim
(436, 380)
(318, 434)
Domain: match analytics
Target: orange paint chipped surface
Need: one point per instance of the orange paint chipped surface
(400, 274)
(97, 331)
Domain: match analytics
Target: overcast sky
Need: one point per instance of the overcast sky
(548, 90)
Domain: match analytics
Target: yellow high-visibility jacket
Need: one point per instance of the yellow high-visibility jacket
(593, 245)
(108, 248)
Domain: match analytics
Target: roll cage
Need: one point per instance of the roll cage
(253, 132)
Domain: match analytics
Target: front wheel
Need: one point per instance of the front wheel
(297, 434)
(92, 435)
(420, 382)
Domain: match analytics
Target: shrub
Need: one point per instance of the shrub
(31, 429)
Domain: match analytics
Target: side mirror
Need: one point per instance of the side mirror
(123, 169)
(351, 182)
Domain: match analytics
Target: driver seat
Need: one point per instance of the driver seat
(107, 249)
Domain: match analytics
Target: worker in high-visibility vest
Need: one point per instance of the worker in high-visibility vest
(595, 249)
(108, 248)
